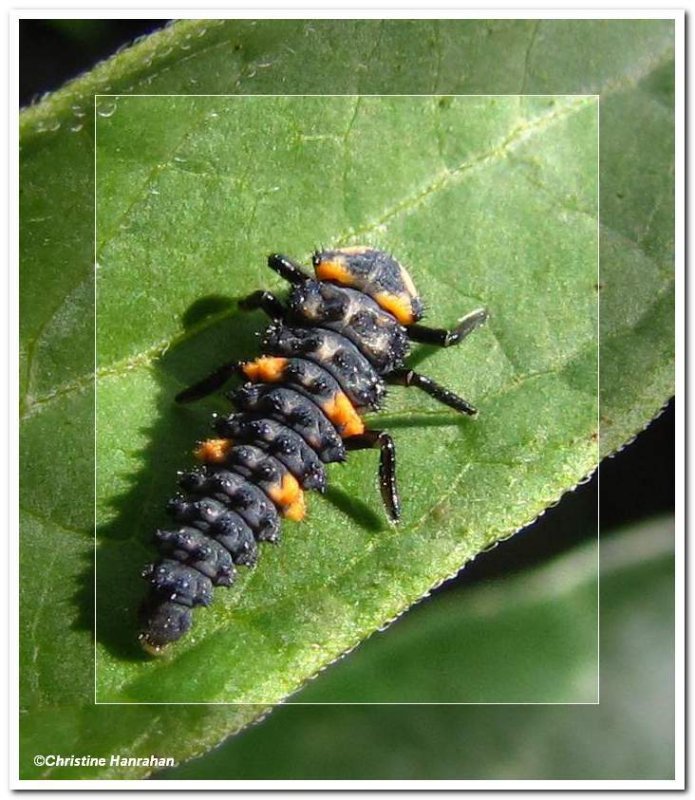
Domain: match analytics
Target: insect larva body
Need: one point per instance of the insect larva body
(328, 355)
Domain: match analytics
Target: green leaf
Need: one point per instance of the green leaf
(630, 66)
(495, 198)
(628, 736)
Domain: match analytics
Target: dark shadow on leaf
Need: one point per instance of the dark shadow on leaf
(421, 353)
(124, 545)
(356, 509)
(211, 306)
(84, 597)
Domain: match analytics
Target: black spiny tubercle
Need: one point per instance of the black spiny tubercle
(327, 357)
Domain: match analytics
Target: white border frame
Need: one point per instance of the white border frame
(314, 10)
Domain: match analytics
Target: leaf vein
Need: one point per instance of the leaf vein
(452, 175)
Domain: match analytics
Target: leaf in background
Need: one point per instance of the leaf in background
(630, 63)
(629, 735)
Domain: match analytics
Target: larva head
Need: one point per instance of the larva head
(375, 273)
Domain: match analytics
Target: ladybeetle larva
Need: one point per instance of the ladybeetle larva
(327, 357)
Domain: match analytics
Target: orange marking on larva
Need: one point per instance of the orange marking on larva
(268, 369)
(213, 451)
(296, 511)
(397, 305)
(334, 271)
(290, 497)
(341, 412)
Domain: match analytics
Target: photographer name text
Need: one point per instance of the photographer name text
(54, 760)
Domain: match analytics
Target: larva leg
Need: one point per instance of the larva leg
(446, 338)
(408, 377)
(209, 384)
(387, 467)
(266, 301)
(287, 268)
